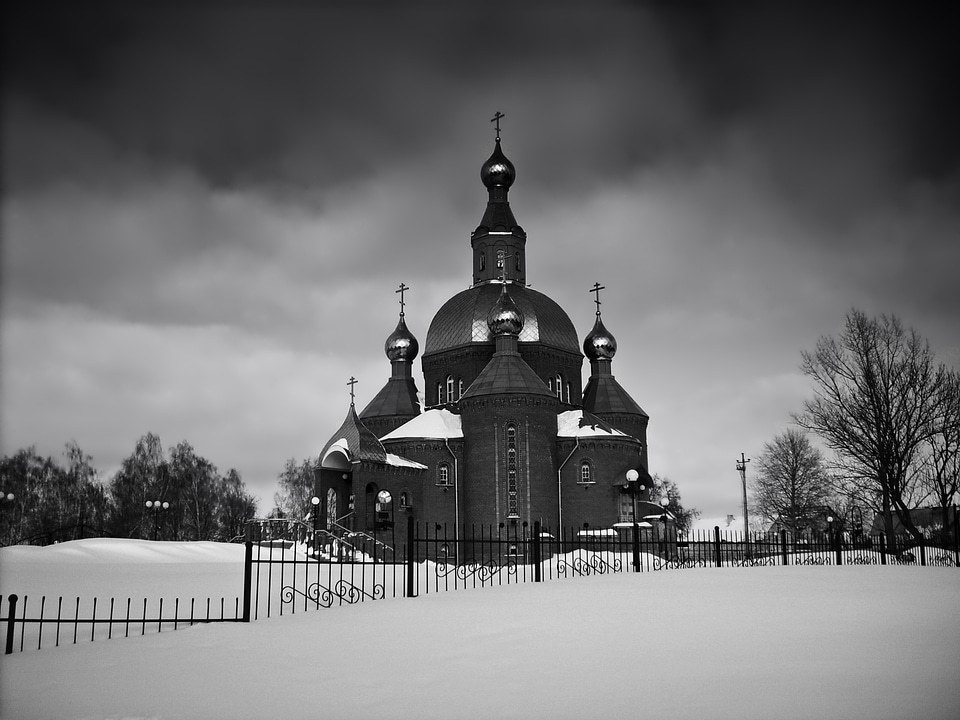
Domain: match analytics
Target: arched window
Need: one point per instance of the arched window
(450, 387)
(518, 262)
(586, 472)
(459, 388)
(441, 393)
(559, 388)
(405, 503)
(513, 505)
(569, 385)
(443, 475)
(483, 261)
(331, 507)
(550, 384)
(500, 256)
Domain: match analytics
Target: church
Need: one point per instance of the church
(504, 432)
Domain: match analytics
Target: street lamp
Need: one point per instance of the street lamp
(315, 501)
(8, 497)
(157, 506)
(634, 488)
(664, 502)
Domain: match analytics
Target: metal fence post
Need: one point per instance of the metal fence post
(247, 572)
(923, 552)
(537, 567)
(410, 556)
(837, 547)
(11, 617)
(783, 546)
(883, 550)
(716, 540)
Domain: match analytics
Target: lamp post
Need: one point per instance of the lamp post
(742, 469)
(157, 506)
(634, 487)
(664, 501)
(315, 501)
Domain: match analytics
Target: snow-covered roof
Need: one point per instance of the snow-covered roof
(605, 532)
(642, 524)
(398, 461)
(437, 423)
(574, 423)
(341, 446)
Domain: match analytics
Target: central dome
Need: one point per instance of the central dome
(463, 320)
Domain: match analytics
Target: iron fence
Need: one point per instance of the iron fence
(106, 620)
(290, 567)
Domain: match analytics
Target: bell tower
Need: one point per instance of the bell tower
(498, 242)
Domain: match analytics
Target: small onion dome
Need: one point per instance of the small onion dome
(497, 170)
(505, 317)
(401, 345)
(600, 343)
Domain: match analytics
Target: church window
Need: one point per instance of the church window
(550, 384)
(513, 506)
(483, 261)
(500, 256)
(518, 262)
(331, 507)
(459, 388)
(450, 397)
(441, 394)
(586, 472)
(405, 503)
(443, 475)
(569, 385)
(559, 388)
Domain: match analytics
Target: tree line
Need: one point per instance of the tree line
(887, 412)
(47, 499)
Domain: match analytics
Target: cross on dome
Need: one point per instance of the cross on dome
(351, 382)
(496, 118)
(402, 289)
(597, 287)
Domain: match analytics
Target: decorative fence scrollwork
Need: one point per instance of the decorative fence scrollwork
(754, 561)
(678, 563)
(814, 560)
(322, 596)
(482, 571)
(583, 566)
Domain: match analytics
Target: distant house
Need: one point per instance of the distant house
(815, 520)
(928, 520)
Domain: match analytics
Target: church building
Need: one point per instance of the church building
(504, 432)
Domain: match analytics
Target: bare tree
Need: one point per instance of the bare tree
(879, 398)
(792, 481)
(940, 468)
(296, 489)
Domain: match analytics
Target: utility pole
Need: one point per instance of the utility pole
(742, 468)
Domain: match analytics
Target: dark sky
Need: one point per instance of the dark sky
(207, 206)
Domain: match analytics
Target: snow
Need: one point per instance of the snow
(569, 424)
(786, 642)
(437, 423)
(398, 461)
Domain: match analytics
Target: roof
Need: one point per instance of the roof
(577, 423)
(437, 423)
(507, 374)
(462, 320)
(604, 395)
(397, 397)
(354, 440)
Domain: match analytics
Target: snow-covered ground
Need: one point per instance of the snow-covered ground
(772, 642)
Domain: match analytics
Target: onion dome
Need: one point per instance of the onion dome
(600, 344)
(401, 345)
(497, 170)
(505, 317)
(462, 320)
